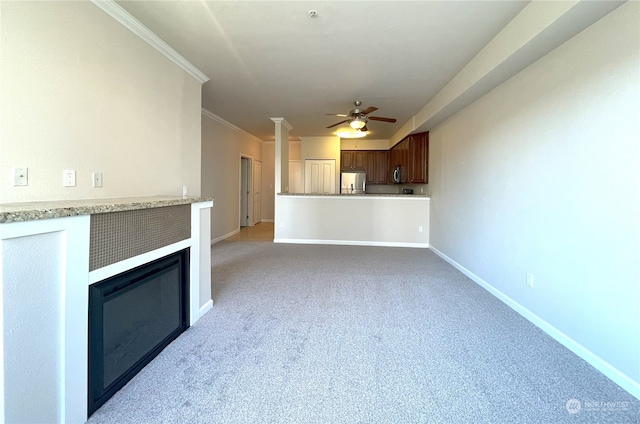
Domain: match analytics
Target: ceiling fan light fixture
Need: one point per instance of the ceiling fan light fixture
(357, 123)
(351, 134)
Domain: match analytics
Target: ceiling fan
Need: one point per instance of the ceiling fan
(358, 118)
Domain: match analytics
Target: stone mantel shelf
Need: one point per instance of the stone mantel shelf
(31, 211)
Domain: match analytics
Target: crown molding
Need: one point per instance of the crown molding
(228, 124)
(290, 141)
(283, 121)
(132, 24)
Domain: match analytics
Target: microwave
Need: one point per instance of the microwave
(396, 174)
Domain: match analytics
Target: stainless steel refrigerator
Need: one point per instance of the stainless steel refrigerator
(353, 182)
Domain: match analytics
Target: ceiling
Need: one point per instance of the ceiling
(272, 59)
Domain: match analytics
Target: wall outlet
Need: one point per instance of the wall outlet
(185, 191)
(530, 280)
(69, 178)
(20, 176)
(420, 229)
(96, 179)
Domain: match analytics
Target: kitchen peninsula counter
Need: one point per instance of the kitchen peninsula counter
(400, 220)
(422, 196)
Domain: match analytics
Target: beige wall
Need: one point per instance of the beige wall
(80, 91)
(294, 150)
(268, 175)
(222, 147)
(541, 176)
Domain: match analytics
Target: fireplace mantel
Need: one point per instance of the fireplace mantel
(43, 308)
(32, 211)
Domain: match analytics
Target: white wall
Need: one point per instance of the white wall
(541, 176)
(80, 91)
(321, 148)
(222, 146)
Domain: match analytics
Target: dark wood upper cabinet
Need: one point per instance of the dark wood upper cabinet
(418, 168)
(412, 154)
(370, 162)
(376, 166)
(382, 167)
(404, 160)
(352, 160)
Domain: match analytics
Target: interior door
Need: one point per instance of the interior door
(320, 176)
(257, 192)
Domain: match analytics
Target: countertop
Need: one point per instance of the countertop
(31, 211)
(422, 196)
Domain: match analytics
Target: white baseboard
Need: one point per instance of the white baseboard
(206, 307)
(266, 220)
(226, 236)
(351, 243)
(618, 377)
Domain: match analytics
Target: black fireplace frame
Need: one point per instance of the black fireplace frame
(102, 292)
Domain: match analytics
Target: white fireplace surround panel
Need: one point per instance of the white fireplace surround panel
(43, 342)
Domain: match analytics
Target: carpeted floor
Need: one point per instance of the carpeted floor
(343, 334)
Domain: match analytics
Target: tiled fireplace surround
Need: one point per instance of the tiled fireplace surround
(46, 271)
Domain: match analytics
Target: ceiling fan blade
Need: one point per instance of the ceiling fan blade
(341, 122)
(364, 129)
(336, 114)
(378, 118)
(369, 110)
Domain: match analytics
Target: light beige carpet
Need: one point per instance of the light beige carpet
(341, 334)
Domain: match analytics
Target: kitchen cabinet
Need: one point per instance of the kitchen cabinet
(376, 164)
(370, 162)
(404, 160)
(412, 154)
(399, 156)
(382, 167)
(394, 160)
(418, 155)
(352, 160)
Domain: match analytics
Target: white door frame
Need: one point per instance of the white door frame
(257, 164)
(249, 189)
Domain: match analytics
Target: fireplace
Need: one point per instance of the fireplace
(51, 258)
(132, 317)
